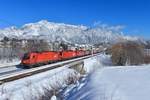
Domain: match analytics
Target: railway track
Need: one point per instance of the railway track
(10, 69)
(18, 74)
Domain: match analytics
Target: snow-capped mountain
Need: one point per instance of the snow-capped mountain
(64, 32)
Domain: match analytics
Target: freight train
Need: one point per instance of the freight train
(34, 59)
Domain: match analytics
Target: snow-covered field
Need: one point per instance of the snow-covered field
(121, 83)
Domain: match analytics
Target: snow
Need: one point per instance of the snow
(10, 69)
(129, 83)
(54, 98)
(22, 87)
(7, 64)
(99, 61)
(113, 83)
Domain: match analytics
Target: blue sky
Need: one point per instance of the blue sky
(133, 14)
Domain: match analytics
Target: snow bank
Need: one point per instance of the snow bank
(99, 61)
(27, 88)
(115, 83)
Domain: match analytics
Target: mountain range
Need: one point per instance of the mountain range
(79, 34)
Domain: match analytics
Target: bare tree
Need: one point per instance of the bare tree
(127, 53)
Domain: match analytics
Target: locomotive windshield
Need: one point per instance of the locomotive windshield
(26, 56)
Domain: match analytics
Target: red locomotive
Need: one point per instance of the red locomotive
(80, 53)
(68, 55)
(33, 59)
(40, 58)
